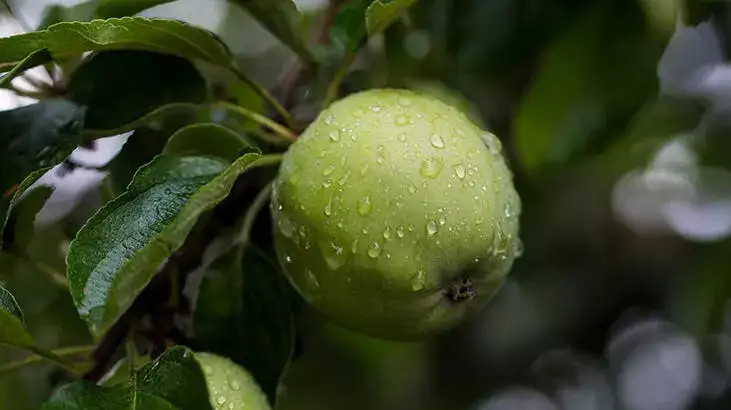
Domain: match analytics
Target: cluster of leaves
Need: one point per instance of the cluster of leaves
(193, 175)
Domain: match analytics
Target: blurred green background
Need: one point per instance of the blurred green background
(614, 117)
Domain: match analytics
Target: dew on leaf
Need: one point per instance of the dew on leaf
(402, 120)
(400, 231)
(328, 170)
(334, 136)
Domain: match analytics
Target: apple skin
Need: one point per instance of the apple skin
(395, 215)
(230, 386)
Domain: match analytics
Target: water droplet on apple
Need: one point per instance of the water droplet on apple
(365, 206)
(312, 280)
(419, 280)
(286, 226)
(437, 141)
(431, 228)
(333, 255)
(343, 179)
(431, 167)
(374, 250)
(460, 171)
(492, 142)
(400, 231)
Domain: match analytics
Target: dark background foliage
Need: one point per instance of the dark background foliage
(611, 114)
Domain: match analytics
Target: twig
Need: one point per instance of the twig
(131, 349)
(334, 88)
(298, 71)
(36, 358)
(280, 130)
(58, 360)
(56, 277)
(259, 202)
(266, 95)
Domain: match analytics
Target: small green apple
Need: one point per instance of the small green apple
(395, 215)
(230, 386)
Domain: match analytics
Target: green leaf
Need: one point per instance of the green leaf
(244, 313)
(135, 83)
(174, 381)
(207, 139)
(154, 118)
(283, 20)
(359, 19)
(69, 39)
(32, 138)
(176, 377)
(34, 59)
(382, 13)
(84, 395)
(591, 83)
(12, 325)
(119, 250)
(20, 223)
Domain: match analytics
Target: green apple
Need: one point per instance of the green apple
(230, 386)
(395, 215)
